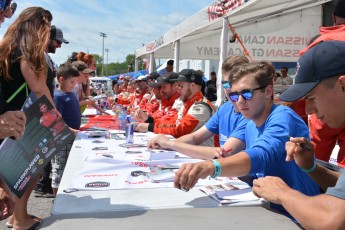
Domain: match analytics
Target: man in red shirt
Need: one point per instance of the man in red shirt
(168, 90)
(195, 110)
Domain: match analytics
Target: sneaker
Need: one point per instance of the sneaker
(43, 192)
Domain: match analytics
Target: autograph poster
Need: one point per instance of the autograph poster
(46, 133)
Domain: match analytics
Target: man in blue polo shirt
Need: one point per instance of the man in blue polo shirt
(265, 135)
(226, 123)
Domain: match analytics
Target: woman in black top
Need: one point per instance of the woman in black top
(22, 60)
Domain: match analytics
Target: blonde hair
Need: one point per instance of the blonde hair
(29, 34)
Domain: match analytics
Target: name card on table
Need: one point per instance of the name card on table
(161, 154)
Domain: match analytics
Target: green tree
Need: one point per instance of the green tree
(114, 68)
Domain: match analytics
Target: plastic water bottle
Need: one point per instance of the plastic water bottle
(123, 119)
(129, 131)
(118, 110)
(98, 112)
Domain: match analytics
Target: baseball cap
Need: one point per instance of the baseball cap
(321, 62)
(153, 76)
(56, 34)
(339, 9)
(190, 75)
(82, 67)
(167, 78)
(170, 62)
(141, 78)
(4, 4)
(127, 78)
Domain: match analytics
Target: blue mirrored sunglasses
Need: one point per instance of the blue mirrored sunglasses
(226, 85)
(247, 94)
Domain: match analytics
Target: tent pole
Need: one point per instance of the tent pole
(136, 63)
(223, 55)
(152, 66)
(177, 56)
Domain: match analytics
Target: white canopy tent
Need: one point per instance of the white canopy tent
(270, 30)
(284, 25)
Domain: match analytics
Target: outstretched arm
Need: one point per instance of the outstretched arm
(319, 212)
(195, 151)
(234, 166)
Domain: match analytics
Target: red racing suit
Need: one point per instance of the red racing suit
(167, 108)
(191, 116)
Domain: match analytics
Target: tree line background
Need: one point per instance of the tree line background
(114, 68)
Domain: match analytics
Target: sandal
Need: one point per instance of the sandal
(9, 225)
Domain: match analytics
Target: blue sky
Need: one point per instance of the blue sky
(127, 23)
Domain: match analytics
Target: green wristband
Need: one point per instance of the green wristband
(217, 169)
(312, 169)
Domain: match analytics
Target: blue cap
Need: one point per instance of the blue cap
(323, 61)
(2, 4)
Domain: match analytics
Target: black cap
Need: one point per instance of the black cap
(339, 9)
(319, 63)
(170, 62)
(56, 34)
(153, 76)
(190, 75)
(167, 78)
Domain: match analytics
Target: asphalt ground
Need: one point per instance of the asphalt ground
(38, 206)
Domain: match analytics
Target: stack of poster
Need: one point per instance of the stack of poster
(226, 193)
(162, 173)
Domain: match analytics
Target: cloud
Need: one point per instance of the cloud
(127, 23)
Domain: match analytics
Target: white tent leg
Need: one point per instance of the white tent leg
(223, 54)
(177, 56)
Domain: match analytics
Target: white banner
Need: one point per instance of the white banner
(278, 38)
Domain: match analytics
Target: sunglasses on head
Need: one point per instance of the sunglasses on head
(247, 94)
(226, 84)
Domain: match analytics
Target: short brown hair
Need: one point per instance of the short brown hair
(67, 70)
(232, 61)
(263, 72)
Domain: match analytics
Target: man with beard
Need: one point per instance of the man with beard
(56, 39)
(195, 111)
(168, 93)
(43, 188)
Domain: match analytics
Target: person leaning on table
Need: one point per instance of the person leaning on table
(24, 62)
(265, 135)
(320, 80)
(12, 123)
(227, 122)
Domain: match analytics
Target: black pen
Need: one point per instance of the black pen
(183, 189)
(303, 145)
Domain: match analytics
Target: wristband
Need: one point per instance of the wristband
(217, 169)
(312, 169)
